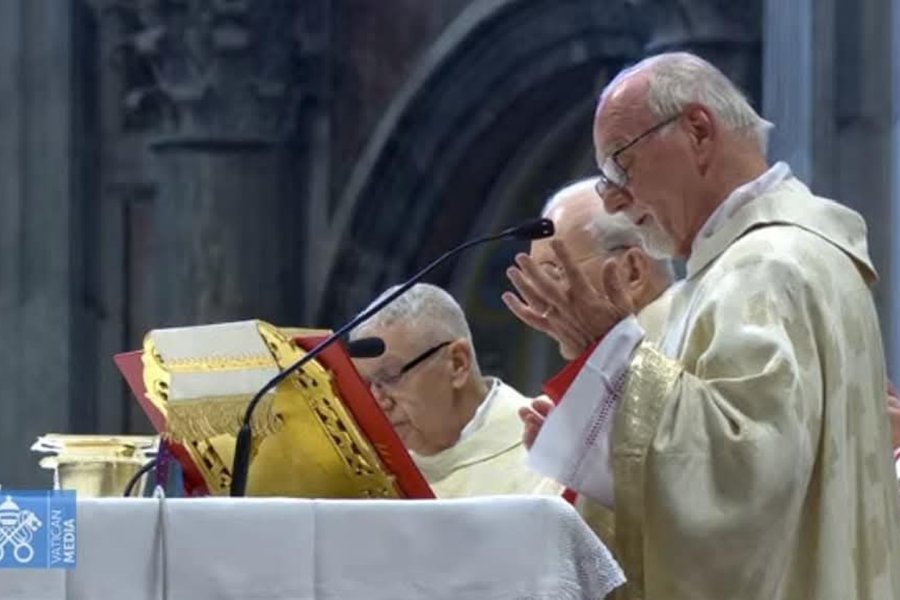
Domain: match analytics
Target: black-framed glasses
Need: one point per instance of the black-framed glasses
(390, 380)
(612, 174)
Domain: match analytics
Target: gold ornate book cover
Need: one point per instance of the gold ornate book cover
(319, 434)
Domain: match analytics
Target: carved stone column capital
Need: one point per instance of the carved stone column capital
(213, 72)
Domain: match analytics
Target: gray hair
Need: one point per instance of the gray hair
(427, 309)
(677, 79)
(608, 231)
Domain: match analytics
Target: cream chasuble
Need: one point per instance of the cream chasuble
(652, 319)
(751, 458)
(489, 459)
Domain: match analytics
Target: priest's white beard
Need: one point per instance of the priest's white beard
(657, 243)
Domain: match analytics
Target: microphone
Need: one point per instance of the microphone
(534, 229)
(368, 347)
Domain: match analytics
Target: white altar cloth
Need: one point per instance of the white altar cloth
(500, 548)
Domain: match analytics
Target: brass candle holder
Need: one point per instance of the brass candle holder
(96, 465)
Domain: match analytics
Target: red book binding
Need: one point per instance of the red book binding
(132, 369)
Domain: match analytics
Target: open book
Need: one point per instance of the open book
(319, 434)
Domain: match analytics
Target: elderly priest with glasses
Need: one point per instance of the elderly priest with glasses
(746, 455)
(461, 428)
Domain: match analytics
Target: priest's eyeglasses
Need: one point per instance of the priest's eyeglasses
(383, 381)
(612, 175)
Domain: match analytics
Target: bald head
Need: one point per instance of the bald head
(673, 138)
(427, 381)
(580, 220)
(593, 236)
(663, 85)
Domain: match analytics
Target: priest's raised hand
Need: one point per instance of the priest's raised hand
(566, 306)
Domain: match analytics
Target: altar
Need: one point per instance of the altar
(496, 548)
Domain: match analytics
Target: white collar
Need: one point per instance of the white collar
(481, 412)
(741, 195)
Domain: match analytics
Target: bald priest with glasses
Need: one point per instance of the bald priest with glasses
(747, 455)
(461, 428)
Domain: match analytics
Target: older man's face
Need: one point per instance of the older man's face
(657, 243)
(659, 172)
(419, 402)
(570, 228)
(570, 223)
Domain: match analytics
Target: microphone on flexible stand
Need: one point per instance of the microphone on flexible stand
(531, 230)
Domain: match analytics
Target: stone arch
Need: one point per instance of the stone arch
(496, 117)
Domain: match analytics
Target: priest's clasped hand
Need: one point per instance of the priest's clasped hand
(566, 307)
(533, 418)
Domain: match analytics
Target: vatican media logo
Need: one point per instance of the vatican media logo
(37, 529)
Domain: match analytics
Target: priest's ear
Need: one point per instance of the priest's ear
(462, 360)
(636, 271)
